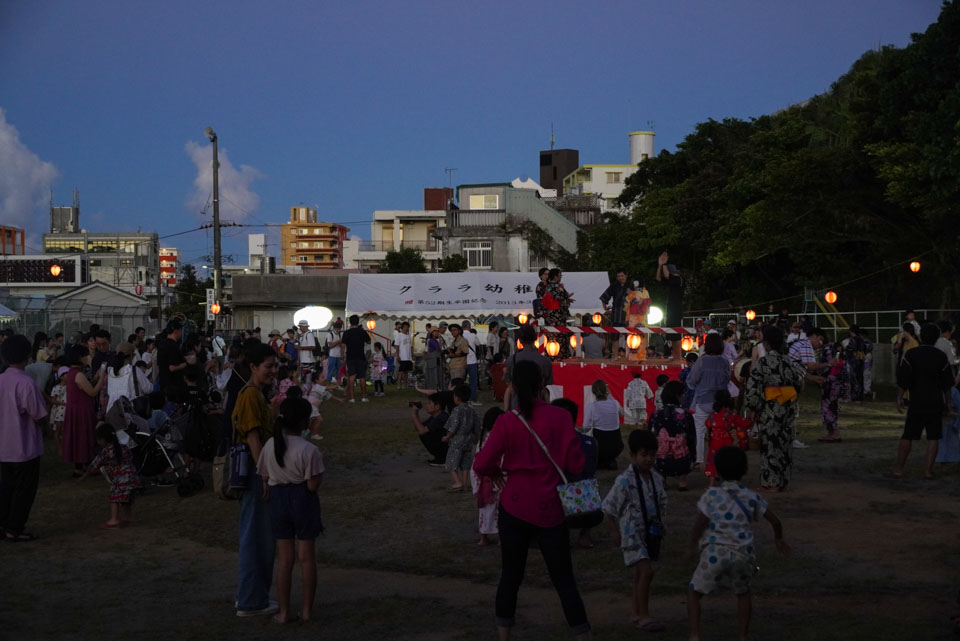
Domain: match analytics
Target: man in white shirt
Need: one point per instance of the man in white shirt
(445, 335)
(219, 345)
(944, 345)
(472, 368)
(796, 334)
(493, 346)
(404, 354)
(305, 346)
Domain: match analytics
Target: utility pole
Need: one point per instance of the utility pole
(217, 265)
(156, 246)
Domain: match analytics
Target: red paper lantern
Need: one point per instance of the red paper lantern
(830, 297)
(553, 348)
(633, 341)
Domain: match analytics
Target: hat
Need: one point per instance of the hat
(125, 348)
(443, 324)
(274, 332)
(303, 323)
(63, 370)
(732, 321)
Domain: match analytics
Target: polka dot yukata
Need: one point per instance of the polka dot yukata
(727, 554)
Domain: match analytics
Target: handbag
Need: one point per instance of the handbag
(652, 530)
(581, 499)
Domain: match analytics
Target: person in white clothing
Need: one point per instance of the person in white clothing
(305, 346)
(404, 354)
(603, 417)
(473, 367)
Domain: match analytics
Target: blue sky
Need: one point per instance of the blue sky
(359, 106)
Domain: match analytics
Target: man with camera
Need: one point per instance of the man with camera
(432, 430)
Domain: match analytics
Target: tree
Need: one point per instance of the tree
(454, 263)
(409, 260)
(191, 295)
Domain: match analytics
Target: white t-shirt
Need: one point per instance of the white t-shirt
(307, 339)
(603, 415)
(447, 338)
(219, 346)
(471, 339)
(301, 462)
(404, 346)
(146, 357)
(493, 344)
(334, 351)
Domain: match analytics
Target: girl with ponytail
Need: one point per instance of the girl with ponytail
(293, 467)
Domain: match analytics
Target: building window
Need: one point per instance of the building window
(317, 245)
(479, 253)
(293, 245)
(304, 245)
(484, 201)
(614, 177)
(587, 175)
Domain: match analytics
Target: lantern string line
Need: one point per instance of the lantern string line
(843, 284)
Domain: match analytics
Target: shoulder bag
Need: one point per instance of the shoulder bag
(653, 530)
(581, 499)
(232, 469)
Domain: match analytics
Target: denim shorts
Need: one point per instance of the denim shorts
(294, 512)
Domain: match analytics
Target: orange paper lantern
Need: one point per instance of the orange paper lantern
(750, 315)
(686, 344)
(215, 309)
(597, 318)
(519, 345)
(573, 341)
(553, 348)
(522, 319)
(55, 270)
(915, 266)
(830, 297)
(633, 341)
(371, 324)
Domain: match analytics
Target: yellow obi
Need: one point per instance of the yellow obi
(782, 395)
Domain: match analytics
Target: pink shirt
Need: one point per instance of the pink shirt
(530, 492)
(21, 405)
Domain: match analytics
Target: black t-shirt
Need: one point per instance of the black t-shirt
(926, 373)
(446, 400)
(436, 423)
(354, 339)
(168, 353)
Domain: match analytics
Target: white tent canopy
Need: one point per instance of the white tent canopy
(6, 313)
(477, 293)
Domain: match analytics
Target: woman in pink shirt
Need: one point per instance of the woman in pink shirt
(529, 504)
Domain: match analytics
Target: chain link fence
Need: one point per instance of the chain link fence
(74, 316)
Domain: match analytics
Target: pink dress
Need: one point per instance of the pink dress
(79, 422)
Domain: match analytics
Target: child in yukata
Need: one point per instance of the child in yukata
(635, 401)
(635, 508)
(723, 532)
(488, 496)
(463, 427)
(662, 380)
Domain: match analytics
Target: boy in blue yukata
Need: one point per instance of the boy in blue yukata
(723, 532)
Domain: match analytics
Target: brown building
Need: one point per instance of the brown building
(308, 243)
(555, 165)
(437, 198)
(11, 241)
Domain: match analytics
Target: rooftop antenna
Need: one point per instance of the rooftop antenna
(650, 125)
(551, 137)
(450, 171)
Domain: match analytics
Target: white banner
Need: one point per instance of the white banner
(210, 301)
(465, 293)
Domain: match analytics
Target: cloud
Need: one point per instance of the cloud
(25, 180)
(237, 198)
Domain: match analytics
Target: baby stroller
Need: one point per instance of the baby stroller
(162, 451)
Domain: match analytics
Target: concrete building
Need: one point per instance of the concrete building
(123, 259)
(12, 241)
(270, 301)
(169, 265)
(555, 165)
(305, 242)
(607, 181)
(486, 228)
(393, 230)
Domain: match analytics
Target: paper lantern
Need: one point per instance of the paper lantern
(633, 341)
(519, 345)
(522, 319)
(750, 315)
(915, 266)
(830, 297)
(686, 344)
(371, 324)
(553, 348)
(55, 270)
(215, 309)
(573, 341)
(597, 318)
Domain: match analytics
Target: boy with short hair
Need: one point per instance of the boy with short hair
(724, 532)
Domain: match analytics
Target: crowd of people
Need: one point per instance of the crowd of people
(739, 390)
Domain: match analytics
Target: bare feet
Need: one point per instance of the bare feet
(306, 615)
(285, 618)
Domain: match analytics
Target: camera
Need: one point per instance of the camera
(416, 404)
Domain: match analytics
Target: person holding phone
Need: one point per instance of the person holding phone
(431, 430)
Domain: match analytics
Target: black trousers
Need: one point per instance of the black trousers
(609, 446)
(515, 537)
(18, 489)
(433, 442)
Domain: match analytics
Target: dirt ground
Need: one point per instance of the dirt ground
(873, 558)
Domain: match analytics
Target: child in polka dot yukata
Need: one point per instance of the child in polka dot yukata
(724, 533)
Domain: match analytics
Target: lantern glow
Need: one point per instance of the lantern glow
(215, 309)
(686, 344)
(573, 341)
(830, 297)
(597, 318)
(519, 345)
(915, 266)
(553, 348)
(633, 341)
(750, 315)
(371, 324)
(522, 319)
(55, 270)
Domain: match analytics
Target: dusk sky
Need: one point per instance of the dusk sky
(358, 106)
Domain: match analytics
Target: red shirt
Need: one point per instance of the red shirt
(530, 493)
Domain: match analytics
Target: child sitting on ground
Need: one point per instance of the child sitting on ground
(293, 467)
(724, 533)
(463, 427)
(635, 506)
(117, 461)
(635, 401)
(724, 428)
(662, 380)
(487, 494)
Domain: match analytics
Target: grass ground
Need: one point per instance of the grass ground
(873, 558)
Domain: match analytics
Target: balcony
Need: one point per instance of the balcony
(376, 245)
(478, 217)
(422, 245)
